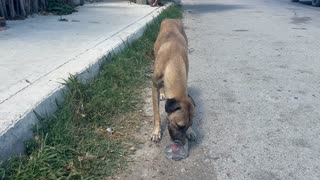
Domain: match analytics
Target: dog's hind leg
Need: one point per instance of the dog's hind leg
(156, 134)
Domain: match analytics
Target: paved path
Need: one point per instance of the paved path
(37, 54)
(32, 48)
(255, 77)
(255, 71)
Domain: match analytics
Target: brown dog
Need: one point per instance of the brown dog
(171, 75)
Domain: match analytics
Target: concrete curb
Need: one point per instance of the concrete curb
(43, 95)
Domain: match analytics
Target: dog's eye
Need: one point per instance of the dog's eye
(181, 127)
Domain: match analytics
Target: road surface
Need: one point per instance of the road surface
(255, 77)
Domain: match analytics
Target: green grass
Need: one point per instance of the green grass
(74, 144)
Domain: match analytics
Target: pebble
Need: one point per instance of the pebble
(109, 129)
(183, 170)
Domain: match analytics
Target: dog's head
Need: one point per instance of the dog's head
(179, 117)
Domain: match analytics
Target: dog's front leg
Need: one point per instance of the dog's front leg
(162, 95)
(191, 135)
(156, 134)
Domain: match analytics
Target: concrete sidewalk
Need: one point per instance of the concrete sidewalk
(37, 54)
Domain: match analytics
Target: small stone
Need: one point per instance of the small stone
(63, 19)
(183, 170)
(216, 158)
(89, 156)
(80, 158)
(109, 129)
(132, 148)
(228, 174)
(295, 97)
(36, 137)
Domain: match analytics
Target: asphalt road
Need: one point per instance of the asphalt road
(255, 77)
(255, 71)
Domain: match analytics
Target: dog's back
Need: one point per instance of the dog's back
(170, 30)
(171, 65)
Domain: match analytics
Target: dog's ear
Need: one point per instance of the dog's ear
(194, 104)
(172, 105)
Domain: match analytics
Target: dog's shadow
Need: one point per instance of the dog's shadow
(195, 93)
(197, 119)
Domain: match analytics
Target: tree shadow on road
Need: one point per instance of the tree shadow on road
(308, 3)
(211, 7)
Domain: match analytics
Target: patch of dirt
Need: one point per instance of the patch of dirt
(149, 162)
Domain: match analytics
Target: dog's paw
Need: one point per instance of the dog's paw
(162, 97)
(156, 136)
(191, 135)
